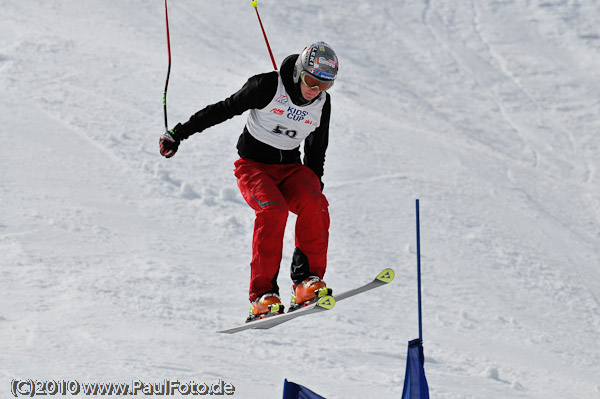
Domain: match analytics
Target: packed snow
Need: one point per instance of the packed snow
(119, 265)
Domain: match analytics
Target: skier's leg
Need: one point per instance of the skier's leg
(260, 191)
(302, 191)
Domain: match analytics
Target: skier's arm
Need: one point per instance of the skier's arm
(256, 93)
(316, 143)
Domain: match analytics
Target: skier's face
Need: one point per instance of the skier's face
(311, 87)
(309, 93)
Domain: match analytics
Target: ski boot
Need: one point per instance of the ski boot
(307, 292)
(266, 305)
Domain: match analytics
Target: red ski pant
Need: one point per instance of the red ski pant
(272, 191)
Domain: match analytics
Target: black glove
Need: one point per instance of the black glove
(169, 142)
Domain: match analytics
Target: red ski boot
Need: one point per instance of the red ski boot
(309, 291)
(266, 305)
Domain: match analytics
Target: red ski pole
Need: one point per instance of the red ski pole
(168, 71)
(255, 5)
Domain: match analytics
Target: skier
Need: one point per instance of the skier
(287, 107)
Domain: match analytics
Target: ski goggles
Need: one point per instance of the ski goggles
(313, 83)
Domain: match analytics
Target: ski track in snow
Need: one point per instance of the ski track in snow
(120, 265)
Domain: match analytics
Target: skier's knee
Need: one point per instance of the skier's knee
(316, 202)
(274, 212)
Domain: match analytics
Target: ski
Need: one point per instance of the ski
(383, 278)
(324, 303)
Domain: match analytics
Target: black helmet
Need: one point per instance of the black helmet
(318, 61)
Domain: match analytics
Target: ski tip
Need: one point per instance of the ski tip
(326, 302)
(386, 275)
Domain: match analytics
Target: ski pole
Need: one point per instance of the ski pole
(255, 5)
(169, 69)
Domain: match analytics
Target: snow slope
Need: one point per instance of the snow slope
(120, 265)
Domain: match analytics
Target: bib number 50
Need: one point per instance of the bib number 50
(284, 130)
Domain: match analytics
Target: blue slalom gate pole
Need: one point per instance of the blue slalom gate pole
(415, 382)
(419, 270)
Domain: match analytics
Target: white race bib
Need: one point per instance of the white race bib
(282, 124)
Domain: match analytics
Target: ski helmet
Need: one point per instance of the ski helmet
(318, 61)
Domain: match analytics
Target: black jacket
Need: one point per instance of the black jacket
(257, 93)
